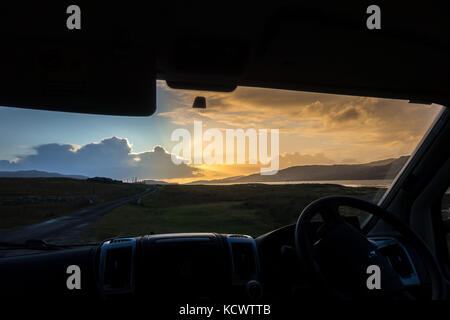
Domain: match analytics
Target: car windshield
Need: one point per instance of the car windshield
(246, 161)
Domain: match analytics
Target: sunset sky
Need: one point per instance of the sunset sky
(314, 129)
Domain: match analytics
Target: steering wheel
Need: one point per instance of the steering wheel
(340, 258)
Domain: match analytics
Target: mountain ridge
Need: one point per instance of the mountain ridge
(38, 174)
(375, 170)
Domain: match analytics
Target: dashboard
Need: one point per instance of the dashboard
(195, 266)
(189, 267)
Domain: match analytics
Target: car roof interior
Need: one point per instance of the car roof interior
(111, 65)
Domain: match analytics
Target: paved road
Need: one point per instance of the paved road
(67, 229)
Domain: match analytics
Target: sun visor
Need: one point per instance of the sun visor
(97, 69)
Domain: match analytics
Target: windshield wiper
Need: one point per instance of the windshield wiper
(38, 244)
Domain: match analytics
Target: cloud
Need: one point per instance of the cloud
(354, 127)
(347, 115)
(111, 157)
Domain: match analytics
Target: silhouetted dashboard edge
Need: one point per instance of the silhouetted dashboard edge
(191, 267)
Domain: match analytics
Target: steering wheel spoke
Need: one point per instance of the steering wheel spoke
(331, 218)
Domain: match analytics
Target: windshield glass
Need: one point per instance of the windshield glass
(247, 163)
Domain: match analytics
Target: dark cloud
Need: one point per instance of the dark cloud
(5, 165)
(347, 115)
(112, 157)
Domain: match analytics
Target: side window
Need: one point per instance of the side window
(445, 212)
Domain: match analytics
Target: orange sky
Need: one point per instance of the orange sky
(314, 128)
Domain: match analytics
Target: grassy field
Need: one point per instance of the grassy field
(247, 208)
(25, 201)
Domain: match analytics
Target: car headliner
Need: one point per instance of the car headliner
(310, 46)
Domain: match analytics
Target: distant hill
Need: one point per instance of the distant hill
(37, 174)
(154, 182)
(104, 180)
(382, 169)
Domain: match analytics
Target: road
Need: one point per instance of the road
(67, 229)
